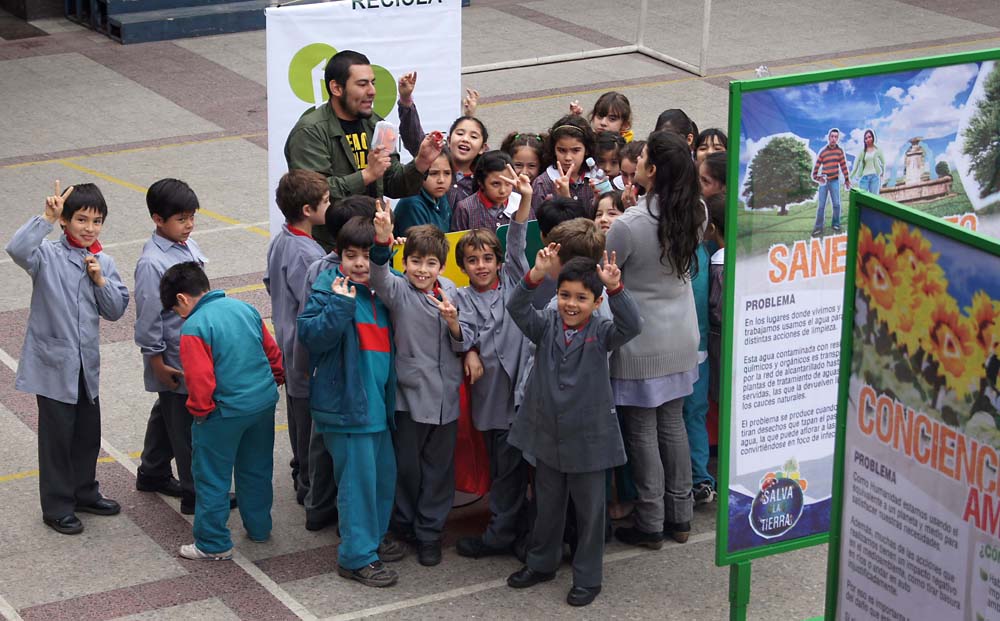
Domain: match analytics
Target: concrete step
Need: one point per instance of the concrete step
(187, 21)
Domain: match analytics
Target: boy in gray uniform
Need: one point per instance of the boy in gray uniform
(172, 206)
(74, 285)
(427, 335)
(503, 350)
(303, 198)
(567, 419)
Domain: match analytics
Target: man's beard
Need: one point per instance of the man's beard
(361, 114)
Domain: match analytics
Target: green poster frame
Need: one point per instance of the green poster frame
(863, 200)
(736, 89)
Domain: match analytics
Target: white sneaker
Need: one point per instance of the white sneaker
(191, 551)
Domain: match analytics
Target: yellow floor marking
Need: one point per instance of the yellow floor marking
(138, 188)
(245, 289)
(27, 474)
(185, 143)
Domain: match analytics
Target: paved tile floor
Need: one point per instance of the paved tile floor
(78, 107)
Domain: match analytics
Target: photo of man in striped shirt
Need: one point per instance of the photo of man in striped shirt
(830, 162)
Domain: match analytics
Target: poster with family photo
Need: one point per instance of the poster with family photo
(923, 133)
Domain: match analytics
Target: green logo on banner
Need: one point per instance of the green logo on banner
(305, 77)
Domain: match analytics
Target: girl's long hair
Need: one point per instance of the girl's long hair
(677, 193)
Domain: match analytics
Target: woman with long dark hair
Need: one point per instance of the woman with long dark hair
(655, 244)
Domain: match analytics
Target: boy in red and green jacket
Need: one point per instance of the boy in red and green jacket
(233, 368)
(352, 400)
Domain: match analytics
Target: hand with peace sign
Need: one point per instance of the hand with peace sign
(383, 224)
(54, 204)
(630, 195)
(406, 85)
(522, 184)
(562, 183)
(545, 262)
(341, 286)
(450, 314)
(471, 102)
(609, 272)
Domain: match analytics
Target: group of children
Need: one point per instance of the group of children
(373, 360)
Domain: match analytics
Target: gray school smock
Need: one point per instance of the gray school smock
(428, 365)
(158, 331)
(63, 332)
(288, 259)
(567, 420)
(503, 348)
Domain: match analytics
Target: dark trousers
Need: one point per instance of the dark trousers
(168, 436)
(321, 501)
(69, 440)
(425, 476)
(553, 491)
(299, 433)
(509, 476)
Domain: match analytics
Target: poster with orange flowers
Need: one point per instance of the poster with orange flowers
(916, 526)
(920, 132)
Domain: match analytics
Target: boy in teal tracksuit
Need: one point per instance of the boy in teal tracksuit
(352, 400)
(233, 368)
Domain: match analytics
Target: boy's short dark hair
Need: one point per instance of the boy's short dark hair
(187, 278)
(359, 232)
(297, 189)
(84, 196)
(717, 211)
(582, 270)
(346, 208)
(168, 197)
(426, 240)
(478, 239)
(558, 209)
(490, 162)
(338, 69)
(578, 237)
(632, 150)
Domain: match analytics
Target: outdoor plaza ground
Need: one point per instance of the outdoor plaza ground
(78, 107)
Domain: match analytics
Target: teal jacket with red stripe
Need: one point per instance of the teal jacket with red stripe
(232, 364)
(352, 376)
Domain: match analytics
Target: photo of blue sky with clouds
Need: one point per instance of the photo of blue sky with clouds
(933, 104)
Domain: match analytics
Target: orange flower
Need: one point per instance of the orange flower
(984, 313)
(877, 272)
(912, 248)
(951, 340)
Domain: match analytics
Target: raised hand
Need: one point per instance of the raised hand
(94, 270)
(609, 272)
(521, 183)
(54, 203)
(430, 149)
(629, 195)
(470, 102)
(574, 108)
(562, 183)
(448, 311)
(473, 365)
(406, 85)
(545, 261)
(341, 286)
(383, 224)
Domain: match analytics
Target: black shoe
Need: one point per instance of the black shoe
(474, 547)
(67, 524)
(635, 537)
(168, 487)
(103, 506)
(429, 553)
(837, 229)
(678, 531)
(581, 596)
(817, 232)
(187, 506)
(528, 577)
(319, 523)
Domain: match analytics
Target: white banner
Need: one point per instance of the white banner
(397, 36)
